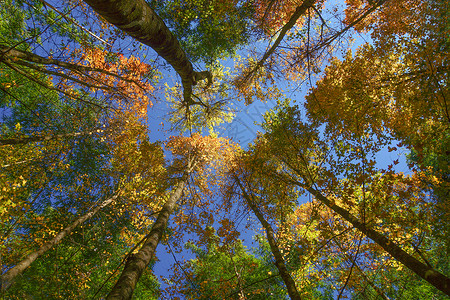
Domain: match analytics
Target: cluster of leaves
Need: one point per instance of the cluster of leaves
(208, 30)
(208, 110)
(226, 270)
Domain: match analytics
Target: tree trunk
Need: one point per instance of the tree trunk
(435, 278)
(138, 19)
(279, 261)
(239, 280)
(136, 264)
(8, 277)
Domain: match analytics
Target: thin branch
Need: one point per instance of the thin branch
(329, 40)
(50, 87)
(71, 20)
(292, 21)
(253, 283)
(59, 74)
(8, 52)
(353, 260)
(24, 105)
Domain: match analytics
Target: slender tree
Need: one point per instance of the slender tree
(298, 149)
(8, 278)
(137, 263)
(435, 278)
(194, 154)
(270, 234)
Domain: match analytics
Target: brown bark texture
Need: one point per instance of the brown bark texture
(137, 19)
(435, 278)
(136, 263)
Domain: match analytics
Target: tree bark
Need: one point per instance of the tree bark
(288, 26)
(138, 19)
(239, 280)
(8, 278)
(435, 278)
(279, 261)
(136, 263)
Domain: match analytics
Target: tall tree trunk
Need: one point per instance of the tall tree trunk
(435, 278)
(8, 277)
(26, 140)
(279, 261)
(137, 18)
(136, 264)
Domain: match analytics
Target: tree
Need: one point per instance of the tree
(137, 263)
(9, 276)
(300, 153)
(279, 261)
(211, 107)
(56, 168)
(139, 20)
(395, 87)
(208, 31)
(195, 153)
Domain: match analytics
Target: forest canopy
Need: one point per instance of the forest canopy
(120, 176)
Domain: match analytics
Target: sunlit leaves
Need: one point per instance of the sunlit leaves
(208, 152)
(135, 83)
(254, 84)
(209, 108)
(222, 270)
(12, 22)
(208, 30)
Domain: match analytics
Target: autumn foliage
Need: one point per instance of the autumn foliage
(120, 177)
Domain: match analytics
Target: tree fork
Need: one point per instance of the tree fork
(138, 19)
